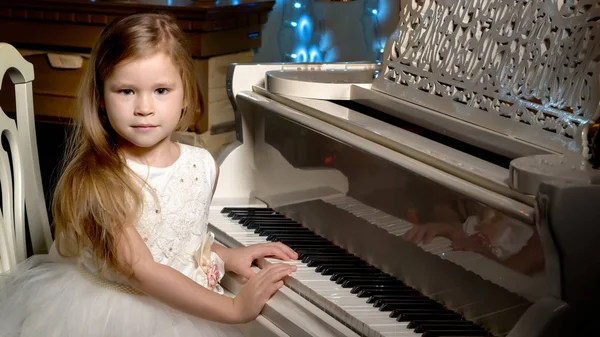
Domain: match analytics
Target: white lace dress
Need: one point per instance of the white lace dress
(50, 297)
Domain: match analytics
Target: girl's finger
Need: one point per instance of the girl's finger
(278, 273)
(409, 235)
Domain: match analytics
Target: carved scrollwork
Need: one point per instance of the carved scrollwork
(534, 61)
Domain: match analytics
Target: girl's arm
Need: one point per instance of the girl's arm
(218, 249)
(180, 292)
(170, 286)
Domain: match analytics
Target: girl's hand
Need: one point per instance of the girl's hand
(253, 295)
(426, 232)
(239, 260)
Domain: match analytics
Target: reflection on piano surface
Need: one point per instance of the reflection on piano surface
(416, 206)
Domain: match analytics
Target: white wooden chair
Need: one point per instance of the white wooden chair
(21, 183)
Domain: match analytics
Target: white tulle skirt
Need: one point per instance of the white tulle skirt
(47, 298)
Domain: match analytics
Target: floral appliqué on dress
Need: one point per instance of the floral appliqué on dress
(209, 266)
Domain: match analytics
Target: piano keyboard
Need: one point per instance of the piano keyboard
(367, 300)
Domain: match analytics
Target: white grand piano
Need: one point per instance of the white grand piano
(479, 123)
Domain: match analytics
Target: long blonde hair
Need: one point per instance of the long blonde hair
(97, 193)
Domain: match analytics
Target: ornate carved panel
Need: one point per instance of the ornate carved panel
(534, 61)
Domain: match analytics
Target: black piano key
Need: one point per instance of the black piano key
(311, 247)
(275, 223)
(255, 215)
(287, 233)
(363, 282)
(279, 229)
(331, 269)
(383, 298)
(273, 237)
(358, 278)
(448, 327)
(252, 213)
(250, 209)
(246, 209)
(279, 233)
(417, 323)
(449, 333)
(371, 292)
(331, 257)
(315, 238)
(282, 229)
(298, 247)
(408, 305)
(251, 224)
(279, 218)
(335, 259)
(312, 263)
(399, 311)
(259, 217)
(268, 231)
(307, 243)
(376, 287)
(337, 252)
(414, 316)
(460, 335)
(329, 251)
(341, 274)
(407, 299)
(234, 208)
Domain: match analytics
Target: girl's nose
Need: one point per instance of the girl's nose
(144, 106)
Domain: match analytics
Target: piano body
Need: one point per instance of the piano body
(477, 131)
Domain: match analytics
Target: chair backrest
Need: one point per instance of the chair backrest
(20, 178)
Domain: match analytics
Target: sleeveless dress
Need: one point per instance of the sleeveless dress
(54, 297)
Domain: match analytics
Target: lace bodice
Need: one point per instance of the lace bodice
(173, 218)
(174, 214)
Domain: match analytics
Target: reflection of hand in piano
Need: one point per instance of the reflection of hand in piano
(476, 243)
(497, 237)
(239, 260)
(426, 232)
(529, 259)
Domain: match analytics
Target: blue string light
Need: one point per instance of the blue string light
(372, 12)
(301, 38)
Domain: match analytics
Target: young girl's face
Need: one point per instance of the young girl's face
(143, 99)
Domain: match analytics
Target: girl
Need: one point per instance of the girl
(130, 210)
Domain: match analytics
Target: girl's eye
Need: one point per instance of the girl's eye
(126, 91)
(162, 91)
